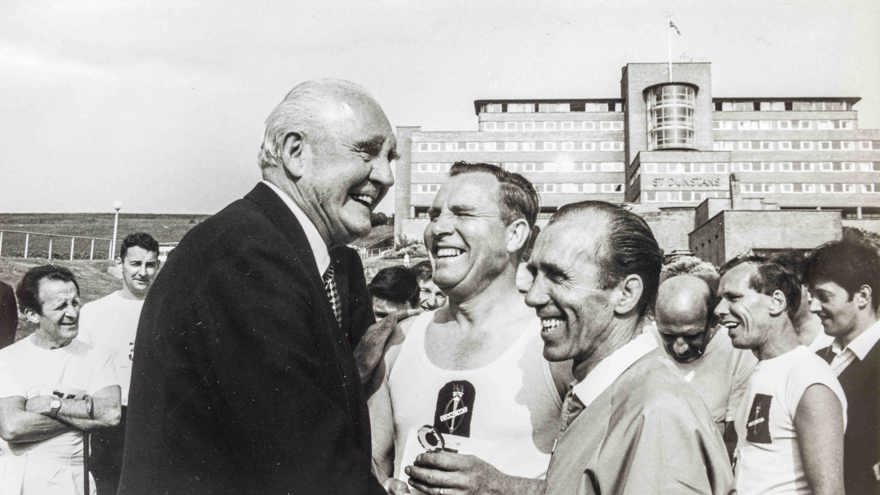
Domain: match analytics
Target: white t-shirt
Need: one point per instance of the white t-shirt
(505, 412)
(110, 323)
(768, 456)
(53, 465)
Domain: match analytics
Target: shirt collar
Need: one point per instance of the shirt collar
(861, 345)
(316, 242)
(609, 369)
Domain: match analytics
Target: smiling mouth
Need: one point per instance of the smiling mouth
(550, 324)
(364, 199)
(448, 252)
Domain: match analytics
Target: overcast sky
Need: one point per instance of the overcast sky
(160, 104)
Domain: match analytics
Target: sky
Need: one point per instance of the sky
(160, 104)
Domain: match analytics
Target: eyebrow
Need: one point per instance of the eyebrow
(372, 146)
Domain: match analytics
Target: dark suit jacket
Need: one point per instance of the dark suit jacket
(8, 315)
(242, 381)
(861, 450)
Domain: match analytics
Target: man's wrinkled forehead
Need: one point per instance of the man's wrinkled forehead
(51, 290)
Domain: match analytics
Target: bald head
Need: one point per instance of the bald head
(682, 315)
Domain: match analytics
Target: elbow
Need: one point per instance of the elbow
(110, 416)
(10, 432)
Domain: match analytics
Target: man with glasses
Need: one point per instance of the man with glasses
(700, 350)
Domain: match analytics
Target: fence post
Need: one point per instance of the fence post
(1, 243)
(72, 240)
(92, 250)
(110, 250)
(50, 249)
(27, 240)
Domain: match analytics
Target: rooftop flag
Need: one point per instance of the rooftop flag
(674, 27)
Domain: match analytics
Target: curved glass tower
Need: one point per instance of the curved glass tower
(670, 114)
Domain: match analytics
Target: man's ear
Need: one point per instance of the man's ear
(31, 316)
(862, 296)
(517, 234)
(291, 154)
(778, 303)
(630, 292)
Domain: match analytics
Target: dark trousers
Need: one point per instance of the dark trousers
(105, 458)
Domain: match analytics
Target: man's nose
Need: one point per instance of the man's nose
(679, 346)
(721, 309)
(381, 172)
(536, 296)
(815, 305)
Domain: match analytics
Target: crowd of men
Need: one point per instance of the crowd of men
(573, 359)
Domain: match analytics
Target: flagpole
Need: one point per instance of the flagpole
(669, 47)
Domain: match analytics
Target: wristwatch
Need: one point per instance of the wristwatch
(54, 406)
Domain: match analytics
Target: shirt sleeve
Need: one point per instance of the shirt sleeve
(9, 387)
(810, 372)
(104, 374)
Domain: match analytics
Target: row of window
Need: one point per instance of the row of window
(782, 106)
(795, 145)
(766, 125)
(534, 167)
(521, 146)
(553, 125)
(688, 168)
(559, 107)
(546, 188)
(680, 196)
(795, 188)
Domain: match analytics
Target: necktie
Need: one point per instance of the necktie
(571, 407)
(333, 294)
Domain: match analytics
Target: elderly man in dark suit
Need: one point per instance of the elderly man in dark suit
(243, 379)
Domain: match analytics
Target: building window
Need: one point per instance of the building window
(824, 124)
(489, 126)
(588, 145)
(848, 166)
(765, 125)
(746, 187)
(550, 125)
(766, 167)
(670, 109)
(553, 107)
(848, 145)
(528, 126)
(806, 145)
(744, 145)
(767, 145)
(783, 124)
(510, 126)
(567, 125)
(611, 167)
(493, 108)
(549, 146)
(473, 146)
(489, 146)
(848, 188)
(824, 145)
(737, 106)
(772, 106)
(527, 146)
(521, 107)
(808, 188)
(784, 145)
(785, 188)
(605, 126)
(511, 146)
(870, 188)
(612, 188)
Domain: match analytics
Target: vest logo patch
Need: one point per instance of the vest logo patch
(758, 425)
(454, 408)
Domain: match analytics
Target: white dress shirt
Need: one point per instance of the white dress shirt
(316, 242)
(857, 349)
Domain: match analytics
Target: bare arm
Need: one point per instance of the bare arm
(819, 425)
(379, 405)
(18, 425)
(83, 413)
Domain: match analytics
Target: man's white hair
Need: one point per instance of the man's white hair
(305, 110)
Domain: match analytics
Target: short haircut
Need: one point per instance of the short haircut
(423, 271)
(298, 112)
(691, 265)
(141, 240)
(518, 197)
(28, 289)
(628, 248)
(397, 284)
(848, 263)
(770, 276)
(793, 261)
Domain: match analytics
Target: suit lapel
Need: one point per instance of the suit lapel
(285, 221)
